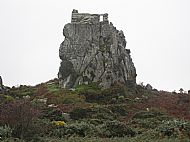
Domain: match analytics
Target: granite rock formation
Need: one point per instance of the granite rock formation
(1, 85)
(94, 51)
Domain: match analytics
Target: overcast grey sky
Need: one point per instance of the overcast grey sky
(157, 32)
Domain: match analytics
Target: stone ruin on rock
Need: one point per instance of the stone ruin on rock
(94, 51)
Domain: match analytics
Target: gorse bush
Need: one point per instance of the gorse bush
(81, 129)
(59, 123)
(84, 129)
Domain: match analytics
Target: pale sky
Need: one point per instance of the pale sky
(157, 32)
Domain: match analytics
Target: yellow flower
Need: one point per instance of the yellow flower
(59, 123)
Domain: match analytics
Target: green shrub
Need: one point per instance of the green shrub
(119, 109)
(92, 91)
(67, 97)
(116, 91)
(95, 121)
(72, 98)
(121, 99)
(147, 136)
(5, 132)
(53, 114)
(93, 113)
(174, 128)
(53, 87)
(79, 113)
(116, 129)
(148, 119)
(59, 132)
(103, 113)
(5, 99)
(83, 87)
(81, 129)
(21, 91)
(148, 114)
(148, 123)
(38, 128)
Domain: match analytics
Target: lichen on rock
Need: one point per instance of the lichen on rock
(94, 51)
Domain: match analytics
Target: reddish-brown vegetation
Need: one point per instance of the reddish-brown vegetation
(175, 105)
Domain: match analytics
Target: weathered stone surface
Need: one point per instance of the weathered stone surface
(1, 84)
(94, 51)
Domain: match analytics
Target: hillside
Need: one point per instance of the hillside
(46, 112)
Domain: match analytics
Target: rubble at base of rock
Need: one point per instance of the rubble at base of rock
(94, 51)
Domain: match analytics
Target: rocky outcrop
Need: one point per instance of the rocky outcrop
(94, 51)
(1, 85)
